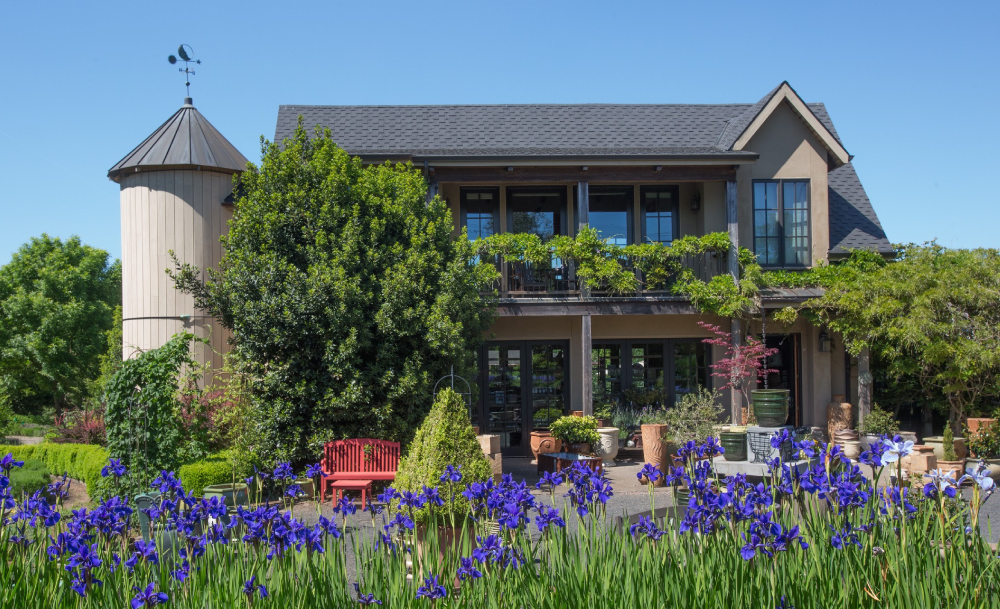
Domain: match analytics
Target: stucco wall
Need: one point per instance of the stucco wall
(788, 150)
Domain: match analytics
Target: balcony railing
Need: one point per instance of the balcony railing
(520, 279)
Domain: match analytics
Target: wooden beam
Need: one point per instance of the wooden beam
(733, 224)
(586, 355)
(630, 175)
(528, 307)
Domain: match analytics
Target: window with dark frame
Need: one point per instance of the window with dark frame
(610, 213)
(674, 366)
(480, 209)
(659, 214)
(781, 233)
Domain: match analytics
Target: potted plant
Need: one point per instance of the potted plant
(877, 423)
(734, 442)
(578, 434)
(939, 442)
(602, 412)
(693, 417)
(950, 462)
(542, 442)
(985, 445)
(743, 365)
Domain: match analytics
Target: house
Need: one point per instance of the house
(773, 174)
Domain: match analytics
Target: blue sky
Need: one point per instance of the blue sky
(912, 88)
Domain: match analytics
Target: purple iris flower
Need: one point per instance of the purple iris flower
(314, 471)
(365, 599)
(7, 462)
(943, 482)
(346, 507)
(432, 589)
(431, 496)
(646, 527)
(147, 597)
(250, 586)
(896, 449)
(550, 479)
(468, 570)
(293, 491)
(547, 517)
(452, 474)
(284, 471)
(649, 472)
(113, 468)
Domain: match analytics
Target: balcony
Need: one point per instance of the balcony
(558, 279)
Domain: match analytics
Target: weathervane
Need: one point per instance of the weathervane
(184, 52)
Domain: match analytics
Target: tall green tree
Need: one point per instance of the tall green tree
(57, 301)
(933, 314)
(346, 294)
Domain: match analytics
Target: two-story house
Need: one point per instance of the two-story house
(773, 174)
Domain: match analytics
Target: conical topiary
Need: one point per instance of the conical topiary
(445, 438)
(949, 444)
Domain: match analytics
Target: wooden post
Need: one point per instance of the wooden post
(733, 266)
(582, 221)
(864, 385)
(586, 355)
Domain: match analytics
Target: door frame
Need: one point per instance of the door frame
(527, 382)
(669, 362)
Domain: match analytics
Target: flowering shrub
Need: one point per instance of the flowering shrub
(815, 535)
(81, 427)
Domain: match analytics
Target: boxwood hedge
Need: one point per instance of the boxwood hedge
(33, 476)
(80, 461)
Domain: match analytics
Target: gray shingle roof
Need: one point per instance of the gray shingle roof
(853, 222)
(186, 139)
(578, 130)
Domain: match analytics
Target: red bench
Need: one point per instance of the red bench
(358, 459)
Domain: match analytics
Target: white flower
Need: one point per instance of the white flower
(942, 479)
(896, 450)
(980, 476)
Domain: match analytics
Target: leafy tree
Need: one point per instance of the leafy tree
(111, 360)
(57, 301)
(934, 313)
(346, 294)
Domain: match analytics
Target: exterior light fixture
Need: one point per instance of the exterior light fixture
(696, 201)
(825, 344)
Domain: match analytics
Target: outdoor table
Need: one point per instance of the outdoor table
(365, 486)
(556, 462)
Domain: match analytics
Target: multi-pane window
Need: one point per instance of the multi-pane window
(781, 235)
(480, 212)
(540, 211)
(610, 213)
(659, 214)
(641, 366)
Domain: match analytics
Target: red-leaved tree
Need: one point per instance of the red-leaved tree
(743, 364)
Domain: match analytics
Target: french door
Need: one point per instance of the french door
(523, 386)
(625, 369)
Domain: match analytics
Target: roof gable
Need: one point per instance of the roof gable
(853, 222)
(742, 128)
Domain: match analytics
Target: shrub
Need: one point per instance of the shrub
(444, 438)
(214, 469)
(79, 461)
(878, 422)
(985, 443)
(694, 415)
(33, 476)
(949, 444)
(81, 427)
(576, 430)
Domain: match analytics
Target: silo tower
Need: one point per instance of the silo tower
(174, 191)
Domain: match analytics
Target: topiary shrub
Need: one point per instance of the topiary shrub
(32, 476)
(80, 461)
(576, 430)
(949, 444)
(214, 469)
(444, 438)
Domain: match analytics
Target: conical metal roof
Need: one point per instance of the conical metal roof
(186, 141)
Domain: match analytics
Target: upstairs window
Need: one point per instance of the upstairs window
(781, 235)
(610, 210)
(539, 211)
(659, 214)
(480, 212)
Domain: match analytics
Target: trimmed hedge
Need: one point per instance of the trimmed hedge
(214, 469)
(33, 476)
(80, 461)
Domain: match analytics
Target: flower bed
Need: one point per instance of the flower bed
(821, 538)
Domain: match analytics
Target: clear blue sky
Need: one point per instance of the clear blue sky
(912, 87)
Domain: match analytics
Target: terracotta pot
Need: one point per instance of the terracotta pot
(542, 442)
(954, 468)
(576, 413)
(604, 423)
(937, 442)
(838, 417)
(974, 425)
(918, 449)
(655, 448)
(607, 450)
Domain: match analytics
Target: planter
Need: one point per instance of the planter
(869, 440)
(307, 487)
(607, 450)
(992, 466)
(852, 449)
(953, 468)
(543, 442)
(735, 445)
(581, 448)
(604, 422)
(838, 416)
(937, 443)
(231, 494)
(973, 425)
(770, 406)
(655, 449)
(576, 413)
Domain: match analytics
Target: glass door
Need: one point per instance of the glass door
(525, 387)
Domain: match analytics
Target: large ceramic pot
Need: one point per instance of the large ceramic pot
(992, 466)
(937, 442)
(607, 450)
(655, 448)
(306, 487)
(735, 445)
(770, 406)
(542, 442)
(838, 415)
(231, 494)
(852, 449)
